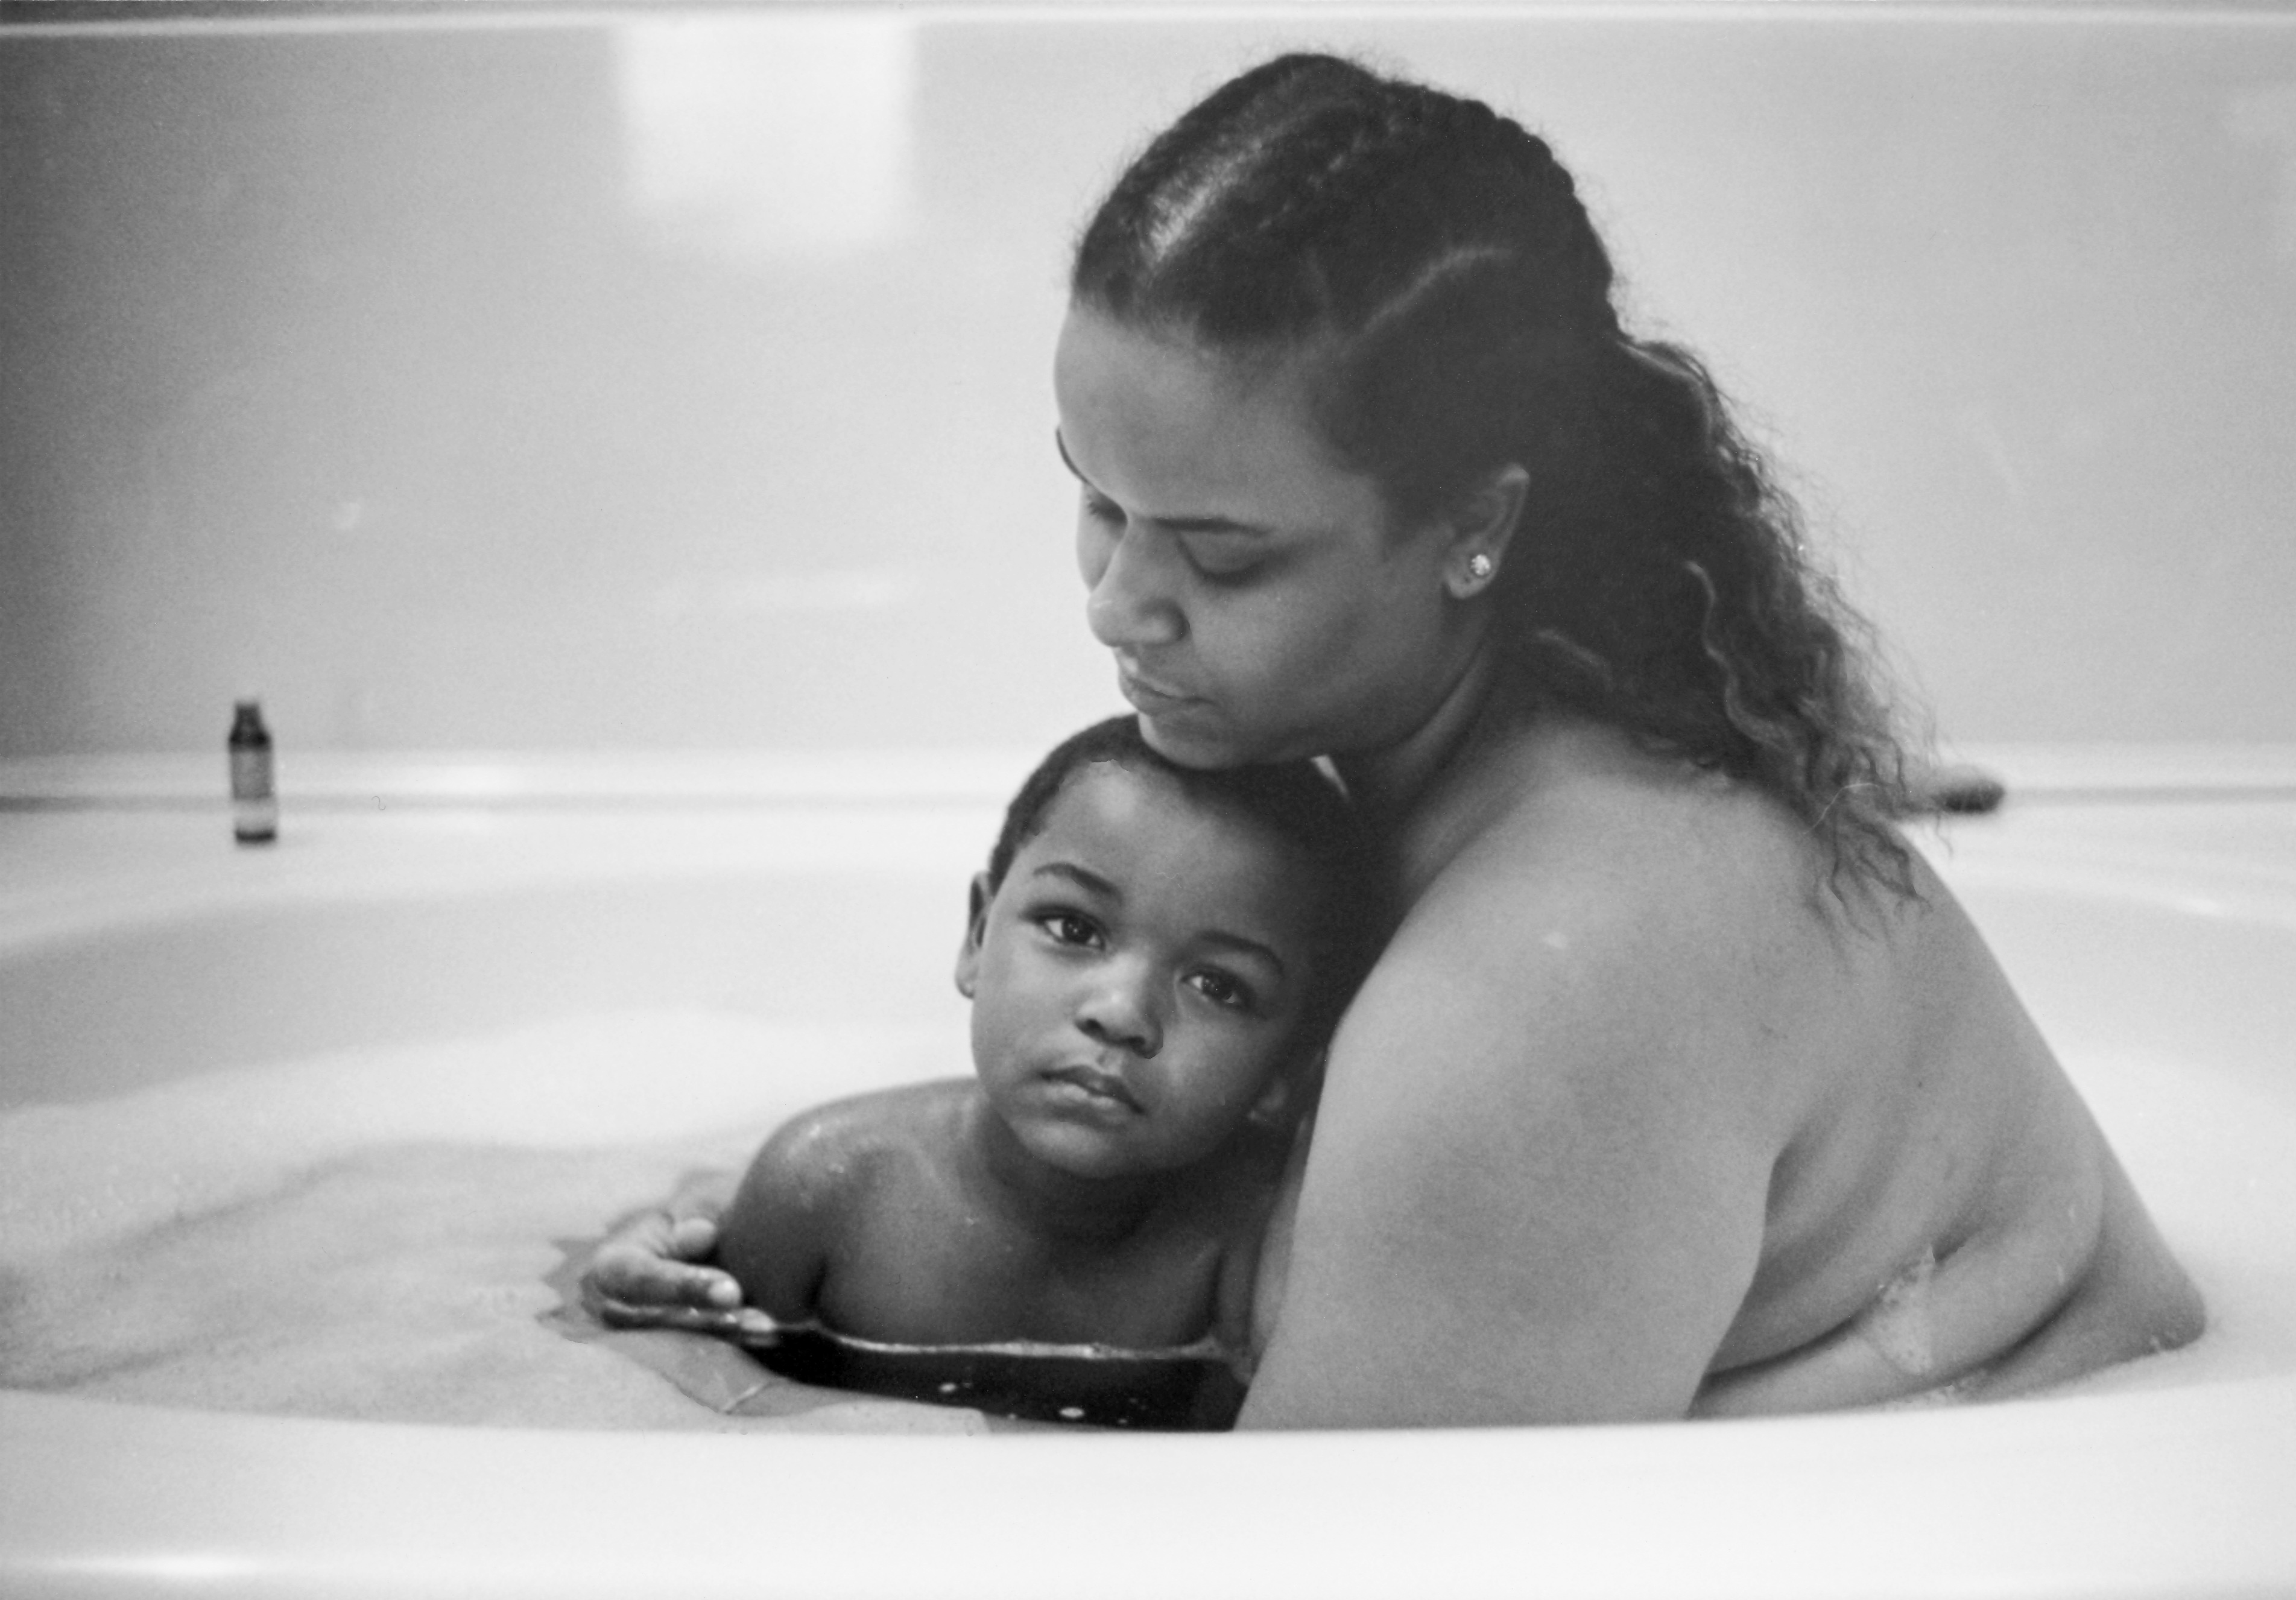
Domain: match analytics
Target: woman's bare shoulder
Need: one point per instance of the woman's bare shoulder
(1591, 794)
(1548, 1110)
(1557, 1102)
(1643, 866)
(1515, 1133)
(1610, 937)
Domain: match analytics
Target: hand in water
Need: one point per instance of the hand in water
(654, 1274)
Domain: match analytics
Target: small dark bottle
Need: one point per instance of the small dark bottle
(254, 803)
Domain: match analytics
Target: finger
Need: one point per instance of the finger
(638, 1276)
(628, 1314)
(751, 1326)
(692, 1237)
(703, 1288)
(723, 1325)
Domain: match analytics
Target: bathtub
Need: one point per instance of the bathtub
(2146, 908)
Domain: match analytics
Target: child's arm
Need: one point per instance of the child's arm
(774, 1238)
(655, 1270)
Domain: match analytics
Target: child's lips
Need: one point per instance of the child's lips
(1099, 1088)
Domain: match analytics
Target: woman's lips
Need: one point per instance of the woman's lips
(1146, 693)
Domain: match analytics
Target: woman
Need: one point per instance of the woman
(1683, 1087)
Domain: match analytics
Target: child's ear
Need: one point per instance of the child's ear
(976, 923)
(1288, 1094)
(1275, 1100)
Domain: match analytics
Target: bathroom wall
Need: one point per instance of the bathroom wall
(680, 380)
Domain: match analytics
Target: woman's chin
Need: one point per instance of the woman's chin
(1187, 742)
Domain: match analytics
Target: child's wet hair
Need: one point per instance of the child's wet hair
(1292, 800)
(1433, 266)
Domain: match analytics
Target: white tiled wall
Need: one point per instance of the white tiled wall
(681, 379)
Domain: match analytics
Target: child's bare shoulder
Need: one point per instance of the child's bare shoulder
(823, 1173)
(827, 1152)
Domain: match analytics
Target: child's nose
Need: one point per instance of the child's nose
(1118, 1008)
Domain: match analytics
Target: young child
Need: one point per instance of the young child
(1154, 957)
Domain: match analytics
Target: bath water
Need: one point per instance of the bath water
(388, 1232)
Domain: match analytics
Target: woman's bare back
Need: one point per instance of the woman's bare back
(1949, 1215)
(1792, 1152)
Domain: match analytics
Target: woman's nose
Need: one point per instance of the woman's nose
(1119, 1009)
(1131, 603)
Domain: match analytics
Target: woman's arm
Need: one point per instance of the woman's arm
(1537, 1183)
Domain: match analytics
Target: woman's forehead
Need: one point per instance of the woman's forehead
(1171, 429)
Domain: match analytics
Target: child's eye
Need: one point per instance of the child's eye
(1067, 928)
(1100, 508)
(1221, 989)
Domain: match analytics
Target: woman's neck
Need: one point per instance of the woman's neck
(1429, 795)
(1390, 783)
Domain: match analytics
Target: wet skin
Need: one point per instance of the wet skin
(1137, 983)
(1633, 1119)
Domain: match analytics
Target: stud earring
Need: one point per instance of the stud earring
(1479, 568)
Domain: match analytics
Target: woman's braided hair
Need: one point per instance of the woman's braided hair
(1435, 262)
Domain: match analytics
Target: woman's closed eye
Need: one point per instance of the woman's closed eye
(1215, 552)
(1222, 555)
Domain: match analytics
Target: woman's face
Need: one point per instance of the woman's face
(1258, 603)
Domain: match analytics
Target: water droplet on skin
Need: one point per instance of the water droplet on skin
(1897, 1324)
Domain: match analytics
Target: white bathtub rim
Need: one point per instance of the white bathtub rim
(471, 849)
(336, 779)
(397, 858)
(2170, 1492)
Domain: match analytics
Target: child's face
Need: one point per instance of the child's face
(1138, 978)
